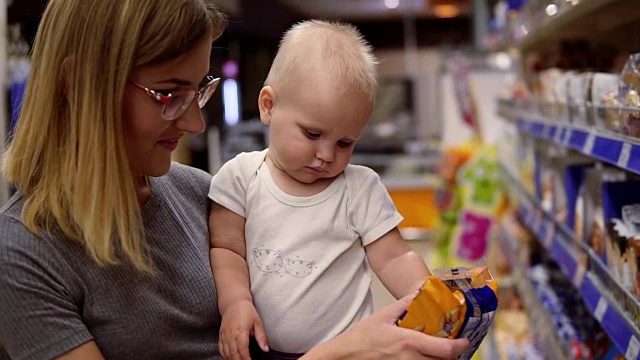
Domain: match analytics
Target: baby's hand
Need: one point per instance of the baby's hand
(239, 322)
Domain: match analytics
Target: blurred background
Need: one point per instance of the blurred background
(491, 119)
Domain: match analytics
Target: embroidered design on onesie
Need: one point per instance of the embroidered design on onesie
(267, 260)
(299, 268)
(271, 261)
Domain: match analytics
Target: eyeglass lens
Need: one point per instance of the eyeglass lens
(179, 103)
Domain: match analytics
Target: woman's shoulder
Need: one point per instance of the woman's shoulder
(186, 172)
(181, 175)
(10, 215)
(15, 238)
(183, 181)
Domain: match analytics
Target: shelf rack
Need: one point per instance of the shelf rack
(612, 22)
(576, 261)
(545, 330)
(606, 146)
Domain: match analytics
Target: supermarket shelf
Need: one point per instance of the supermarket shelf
(541, 320)
(545, 330)
(575, 259)
(602, 145)
(613, 22)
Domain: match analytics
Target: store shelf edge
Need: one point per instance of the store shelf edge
(606, 147)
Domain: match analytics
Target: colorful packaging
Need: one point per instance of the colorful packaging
(629, 96)
(455, 303)
(593, 226)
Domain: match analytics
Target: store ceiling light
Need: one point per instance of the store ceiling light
(446, 11)
(552, 9)
(391, 4)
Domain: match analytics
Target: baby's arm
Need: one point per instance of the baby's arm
(229, 267)
(398, 267)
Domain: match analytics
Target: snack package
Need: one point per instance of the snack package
(604, 101)
(455, 303)
(593, 225)
(629, 96)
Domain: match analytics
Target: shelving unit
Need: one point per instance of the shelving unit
(540, 319)
(577, 261)
(612, 22)
(609, 147)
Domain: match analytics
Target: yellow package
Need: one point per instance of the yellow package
(455, 303)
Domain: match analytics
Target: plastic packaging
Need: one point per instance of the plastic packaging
(455, 303)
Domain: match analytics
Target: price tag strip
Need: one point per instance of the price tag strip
(625, 154)
(589, 143)
(558, 135)
(578, 275)
(567, 137)
(633, 349)
(550, 233)
(581, 269)
(601, 308)
(537, 221)
(546, 130)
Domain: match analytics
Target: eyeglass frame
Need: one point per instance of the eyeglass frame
(163, 99)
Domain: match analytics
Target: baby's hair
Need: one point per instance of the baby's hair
(336, 48)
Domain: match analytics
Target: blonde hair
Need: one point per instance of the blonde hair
(335, 47)
(68, 157)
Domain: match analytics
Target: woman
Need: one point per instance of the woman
(104, 248)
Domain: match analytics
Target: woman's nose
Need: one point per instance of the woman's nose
(192, 120)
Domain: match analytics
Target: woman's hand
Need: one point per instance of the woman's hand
(377, 337)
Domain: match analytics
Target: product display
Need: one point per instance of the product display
(592, 223)
(621, 207)
(455, 303)
(629, 96)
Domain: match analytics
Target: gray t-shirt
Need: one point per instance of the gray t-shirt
(53, 296)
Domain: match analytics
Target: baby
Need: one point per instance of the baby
(295, 229)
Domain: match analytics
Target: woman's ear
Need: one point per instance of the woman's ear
(266, 101)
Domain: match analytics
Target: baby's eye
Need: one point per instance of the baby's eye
(344, 143)
(312, 134)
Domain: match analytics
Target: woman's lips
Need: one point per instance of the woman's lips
(170, 144)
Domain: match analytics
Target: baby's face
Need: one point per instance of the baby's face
(314, 128)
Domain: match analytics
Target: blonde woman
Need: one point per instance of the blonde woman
(104, 247)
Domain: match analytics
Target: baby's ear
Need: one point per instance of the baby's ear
(265, 104)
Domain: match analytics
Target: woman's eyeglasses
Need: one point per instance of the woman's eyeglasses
(175, 103)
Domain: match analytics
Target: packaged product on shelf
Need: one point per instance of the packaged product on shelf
(577, 90)
(525, 160)
(482, 200)
(561, 90)
(575, 326)
(629, 96)
(552, 180)
(513, 337)
(547, 93)
(604, 101)
(621, 207)
(574, 178)
(455, 303)
(593, 224)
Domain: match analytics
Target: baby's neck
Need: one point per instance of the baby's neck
(294, 187)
